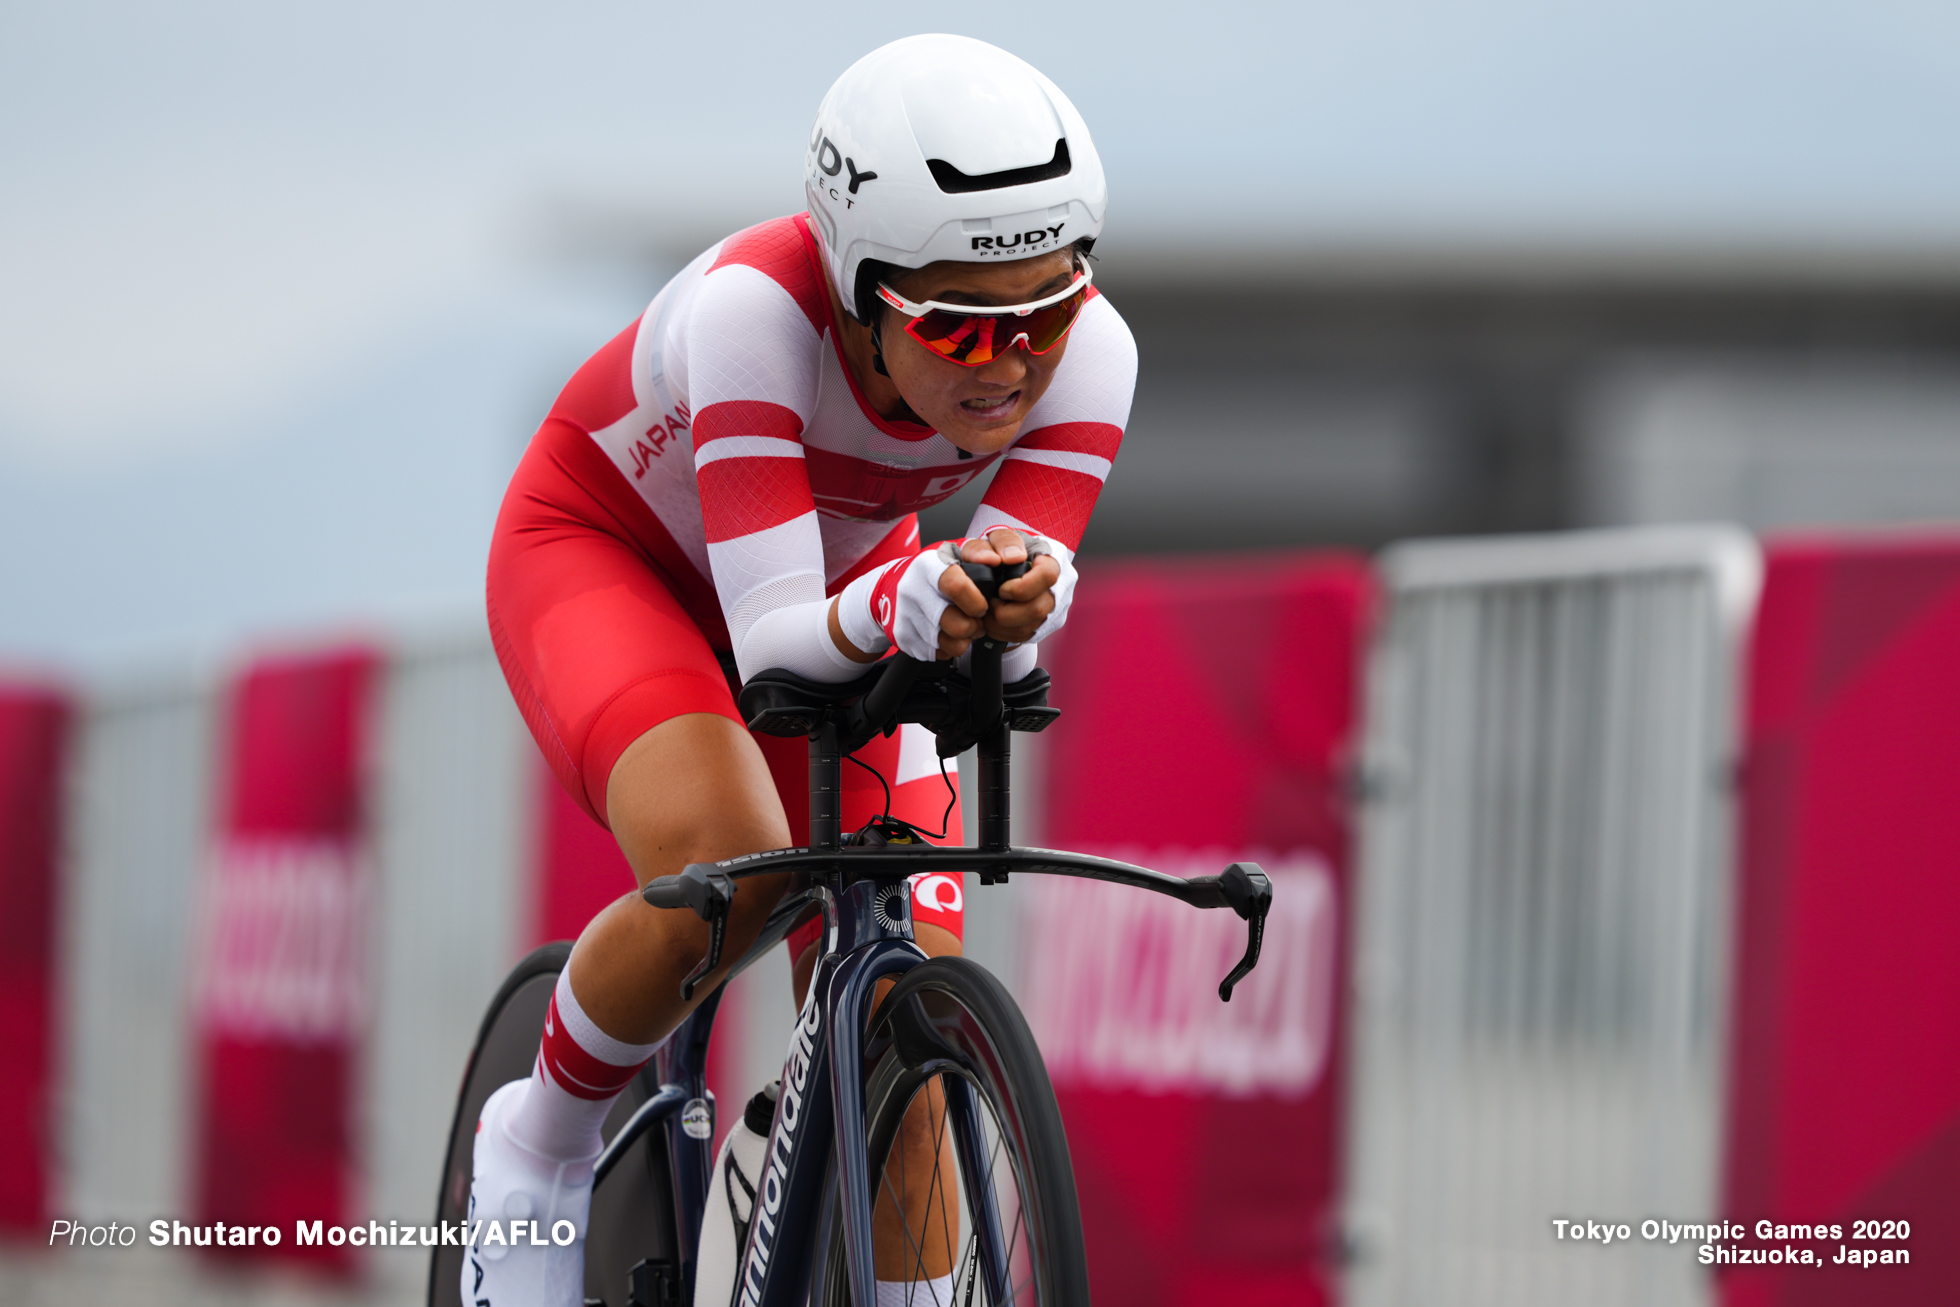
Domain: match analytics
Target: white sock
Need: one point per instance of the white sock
(916, 1293)
(579, 1071)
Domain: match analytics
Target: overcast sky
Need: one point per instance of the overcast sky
(256, 259)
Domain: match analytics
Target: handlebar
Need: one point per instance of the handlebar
(879, 709)
(986, 657)
(988, 578)
(708, 890)
(780, 703)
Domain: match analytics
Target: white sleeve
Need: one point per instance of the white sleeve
(796, 638)
(752, 367)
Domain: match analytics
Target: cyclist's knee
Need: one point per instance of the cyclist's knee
(936, 941)
(688, 935)
(695, 788)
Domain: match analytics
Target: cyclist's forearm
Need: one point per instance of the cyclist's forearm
(800, 638)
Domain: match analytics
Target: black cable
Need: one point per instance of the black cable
(952, 797)
(885, 818)
(881, 782)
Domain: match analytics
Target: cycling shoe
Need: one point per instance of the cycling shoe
(523, 1194)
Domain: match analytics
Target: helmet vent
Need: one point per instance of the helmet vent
(954, 182)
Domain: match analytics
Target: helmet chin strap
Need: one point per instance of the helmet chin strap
(878, 361)
(878, 342)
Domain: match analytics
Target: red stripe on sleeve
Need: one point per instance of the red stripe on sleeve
(746, 417)
(1052, 500)
(780, 251)
(740, 496)
(1099, 438)
(601, 392)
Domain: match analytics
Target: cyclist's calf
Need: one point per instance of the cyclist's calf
(693, 789)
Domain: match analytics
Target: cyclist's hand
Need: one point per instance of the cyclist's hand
(1024, 603)
(961, 623)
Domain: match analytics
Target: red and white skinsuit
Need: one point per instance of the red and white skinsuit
(711, 476)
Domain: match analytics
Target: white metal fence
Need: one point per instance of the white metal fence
(453, 830)
(140, 799)
(1541, 950)
(453, 788)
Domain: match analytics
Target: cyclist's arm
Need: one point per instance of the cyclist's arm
(1050, 479)
(752, 366)
(1039, 501)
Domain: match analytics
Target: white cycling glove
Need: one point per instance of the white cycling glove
(901, 603)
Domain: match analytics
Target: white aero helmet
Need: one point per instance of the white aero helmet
(944, 147)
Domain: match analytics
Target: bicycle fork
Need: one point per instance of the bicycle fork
(789, 1244)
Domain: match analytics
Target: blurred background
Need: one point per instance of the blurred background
(287, 289)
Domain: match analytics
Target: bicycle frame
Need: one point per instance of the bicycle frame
(817, 1139)
(867, 937)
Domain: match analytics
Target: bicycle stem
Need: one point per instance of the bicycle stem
(826, 787)
(994, 795)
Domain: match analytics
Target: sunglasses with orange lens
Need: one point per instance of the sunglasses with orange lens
(971, 336)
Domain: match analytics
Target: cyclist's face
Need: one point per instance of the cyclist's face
(978, 409)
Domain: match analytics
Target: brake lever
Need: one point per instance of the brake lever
(710, 892)
(1246, 888)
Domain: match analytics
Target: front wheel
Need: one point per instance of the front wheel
(974, 1191)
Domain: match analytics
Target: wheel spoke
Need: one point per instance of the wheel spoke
(971, 1262)
(1013, 1242)
(994, 1138)
(934, 1187)
(898, 1205)
(938, 1126)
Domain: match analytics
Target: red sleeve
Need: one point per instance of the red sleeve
(1051, 478)
(748, 462)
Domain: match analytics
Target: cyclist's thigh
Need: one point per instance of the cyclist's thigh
(693, 789)
(598, 648)
(624, 694)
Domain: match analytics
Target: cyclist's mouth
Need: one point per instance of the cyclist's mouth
(994, 407)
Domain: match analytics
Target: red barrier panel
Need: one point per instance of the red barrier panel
(33, 739)
(281, 992)
(1845, 1079)
(579, 868)
(1207, 707)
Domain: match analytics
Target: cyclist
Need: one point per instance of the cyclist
(738, 473)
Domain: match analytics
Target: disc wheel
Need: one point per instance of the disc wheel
(632, 1212)
(949, 1032)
